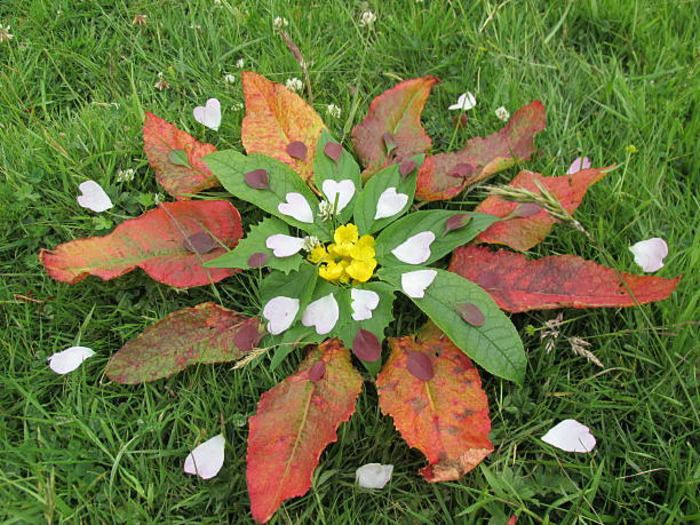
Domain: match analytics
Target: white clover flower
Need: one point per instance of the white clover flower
(126, 175)
(326, 210)
(367, 19)
(333, 111)
(502, 114)
(280, 23)
(294, 84)
(230, 78)
(310, 242)
(158, 198)
(237, 106)
(5, 35)
(240, 63)
(465, 102)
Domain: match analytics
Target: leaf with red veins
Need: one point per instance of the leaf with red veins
(445, 417)
(445, 175)
(158, 242)
(519, 284)
(522, 233)
(294, 423)
(392, 131)
(163, 144)
(205, 334)
(279, 123)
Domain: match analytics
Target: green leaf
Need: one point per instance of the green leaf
(325, 168)
(179, 158)
(230, 167)
(366, 203)
(434, 221)
(299, 285)
(495, 345)
(254, 242)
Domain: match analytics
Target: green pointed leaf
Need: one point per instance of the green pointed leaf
(366, 202)
(230, 168)
(434, 221)
(254, 243)
(495, 345)
(300, 285)
(345, 168)
(179, 158)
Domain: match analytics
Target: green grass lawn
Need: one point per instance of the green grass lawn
(75, 82)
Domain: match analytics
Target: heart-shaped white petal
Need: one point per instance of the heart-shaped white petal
(344, 189)
(209, 115)
(93, 197)
(414, 283)
(580, 163)
(280, 312)
(69, 359)
(465, 102)
(415, 249)
(207, 459)
(297, 207)
(284, 245)
(571, 436)
(363, 302)
(373, 475)
(650, 254)
(322, 314)
(390, 203)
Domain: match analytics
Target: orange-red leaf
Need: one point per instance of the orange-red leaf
(445, 417)
(519, 284)
(160, 140)
(294, 422)
(392, 131)
(445, 175)
(207, 333)
(157, 242)
(522, 233)
(275, 118)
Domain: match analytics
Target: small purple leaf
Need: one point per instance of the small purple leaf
(257, 260)
(366, 346)
(257, 179)
(200, 243)
(420, 366)
(527, 209)
(462, 170)
(297, 150)
(471, 314)
(333, 151)
(247, 338)
(317, 371)
(406, 167)
(456, 222)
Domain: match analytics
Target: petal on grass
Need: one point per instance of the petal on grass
(571, 436)
(206, 459)
(209, 115)
(93, 197)
(373, 475)
(69, 359)
(649, 254)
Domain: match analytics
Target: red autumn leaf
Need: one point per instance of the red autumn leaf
(276, 120)
(163, 144)
(445, 175)
(157, 242)
(207, 333)
(519, 284)
(294, 423)
(445, 417)
(393, 120)
(524, 232)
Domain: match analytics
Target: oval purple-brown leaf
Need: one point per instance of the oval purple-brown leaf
(333, 151)
(462, 170)
(297, 150)
(406, 167)
(366, 346)
(257, 179)
(527, 209)
(471, 314)
(247, 337)
(317, 371)
(257, 259)
(456, 222)
(200, 243)
(419, 365)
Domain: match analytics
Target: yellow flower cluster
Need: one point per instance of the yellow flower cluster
(350, 257)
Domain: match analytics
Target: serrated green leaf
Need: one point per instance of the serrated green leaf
(179, 158)
(346, 168)
(254, 242)
(434, 221)
(299, 285)
(230, 167)
(366, 202)
(495, 345)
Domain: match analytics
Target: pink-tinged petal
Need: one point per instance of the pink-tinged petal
(207, 459)
(280, 313)
(297, 207)
(93, 197)
(209, 115)
(650, 254)
(322, 314)
(570, 436)
(580, 163)
(284, 245)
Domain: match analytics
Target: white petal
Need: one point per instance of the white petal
(580, 163)
(297, 207)
(649, 254)
(322, 314)
(373, 475)
(465, 102)
(207, 459)
(363, 303)
(93, 197)
(414, 283)
(69, 359)
(280, 312)
(390, 203)
(415, 249)
(571, 436)
(284, 245)
(209, 115)
(345, 189)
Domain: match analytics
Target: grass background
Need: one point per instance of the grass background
(74, 83)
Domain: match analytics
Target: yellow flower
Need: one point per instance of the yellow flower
(350, 257)
(364, 249)
(318, 254)
(361, 271)
(346, 234)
